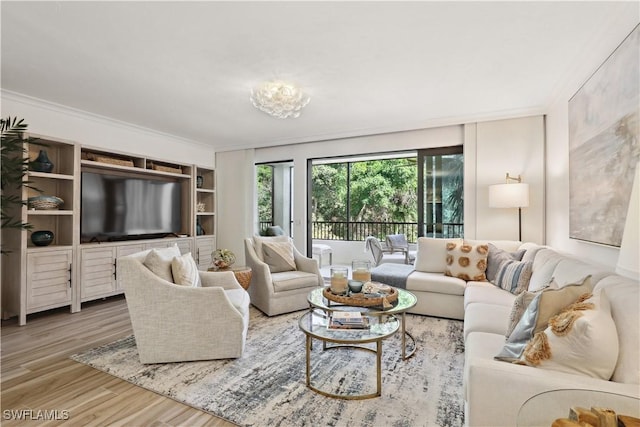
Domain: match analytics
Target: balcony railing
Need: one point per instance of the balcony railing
(358, 231)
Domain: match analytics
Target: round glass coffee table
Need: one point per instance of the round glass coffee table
(406, 300)
(314, 324)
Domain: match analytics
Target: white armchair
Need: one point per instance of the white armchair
(173, 323)
(282, 292)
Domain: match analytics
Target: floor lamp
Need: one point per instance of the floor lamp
(510, 195)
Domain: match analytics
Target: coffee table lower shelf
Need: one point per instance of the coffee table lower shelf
(312, 326)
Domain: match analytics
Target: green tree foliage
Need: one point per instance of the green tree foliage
(265, 193)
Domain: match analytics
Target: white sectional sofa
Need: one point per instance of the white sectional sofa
(495, 390)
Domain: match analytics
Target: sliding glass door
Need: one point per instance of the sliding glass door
(441, 192)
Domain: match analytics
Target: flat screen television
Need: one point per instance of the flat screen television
(118, 208)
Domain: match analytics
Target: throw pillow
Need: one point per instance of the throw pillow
(279, 256)
(514, 276)
(432, 254)
(581, 340)
(536, 317)
(185, 271)
(496, 257)
(159, 261)
(520, 305)
(258, 241)
(467, 262)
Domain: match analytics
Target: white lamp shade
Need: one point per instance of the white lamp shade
(509, 195)
(629, 257)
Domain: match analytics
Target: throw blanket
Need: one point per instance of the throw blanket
(392, 274)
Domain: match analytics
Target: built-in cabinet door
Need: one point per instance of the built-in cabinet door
(124, 251)
(204, 247)
(97, 272)
(185, 246)
(48, 279)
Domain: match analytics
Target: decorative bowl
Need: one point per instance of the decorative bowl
(355, 286)
(45, 202)
(42, 237)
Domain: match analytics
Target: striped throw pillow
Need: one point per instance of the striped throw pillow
(514, 276)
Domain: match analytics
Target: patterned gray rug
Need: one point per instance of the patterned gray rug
(266, 386)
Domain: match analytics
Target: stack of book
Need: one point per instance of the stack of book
(348, 320)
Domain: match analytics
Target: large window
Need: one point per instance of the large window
(357, 197)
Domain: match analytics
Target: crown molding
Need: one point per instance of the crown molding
(85, 115)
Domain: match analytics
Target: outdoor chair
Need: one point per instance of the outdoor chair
(399, 243)
(383, 255)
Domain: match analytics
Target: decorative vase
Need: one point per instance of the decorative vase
(223, 258)
(199, 229)
(42, 163)
(199, 181)
(42, 237)
(339, 280)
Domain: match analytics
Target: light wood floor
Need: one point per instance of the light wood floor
(38, 375)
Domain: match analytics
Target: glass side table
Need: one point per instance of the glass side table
(542, 409)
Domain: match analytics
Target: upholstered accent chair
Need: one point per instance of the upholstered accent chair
(282, 290)
(175, 323)
(382, 254)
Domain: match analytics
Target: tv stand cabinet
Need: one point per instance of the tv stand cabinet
(70, 272)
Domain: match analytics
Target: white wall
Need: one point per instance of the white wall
(557, 165)
(100, 132)
(486, 140)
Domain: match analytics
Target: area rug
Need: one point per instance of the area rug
(266, 386)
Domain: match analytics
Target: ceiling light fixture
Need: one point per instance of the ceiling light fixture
(279, 99)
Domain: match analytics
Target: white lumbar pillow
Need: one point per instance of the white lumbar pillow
(185, 271)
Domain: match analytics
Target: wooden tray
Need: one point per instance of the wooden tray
(360, 300)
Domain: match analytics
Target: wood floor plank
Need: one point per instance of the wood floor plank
(37, 374)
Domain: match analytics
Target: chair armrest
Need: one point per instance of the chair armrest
(223, 279)
(308, 265)
(260, 272)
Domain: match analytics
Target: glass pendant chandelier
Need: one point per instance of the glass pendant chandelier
(279, 99)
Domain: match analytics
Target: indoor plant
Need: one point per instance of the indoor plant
(223, 258)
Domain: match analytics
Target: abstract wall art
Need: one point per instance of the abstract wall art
(604, 146)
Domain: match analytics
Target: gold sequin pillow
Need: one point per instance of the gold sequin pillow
(467, 262)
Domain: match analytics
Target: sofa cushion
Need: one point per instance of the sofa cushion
(544, 264)
(623, 295)
(570, 270)
(435, 282)
(185, 271)
(488, 293)
(481, 317)
(432, 254)
(466, 262)
(582, 340)
(279, 256)
(159, 261)
(259, 240)
(545, 305)
(514, 276)
(290, 280)
(496, 257)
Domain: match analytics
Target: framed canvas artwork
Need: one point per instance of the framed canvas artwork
(604, 146)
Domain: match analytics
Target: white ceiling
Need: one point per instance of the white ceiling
(186, 68)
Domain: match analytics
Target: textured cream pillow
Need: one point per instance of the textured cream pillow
(185, 271)
(279, 256)
(258, 241)
(466, 262)
(159, 261)
(520, 305)
(535, 318)
(582, 340)
(432, 254)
